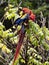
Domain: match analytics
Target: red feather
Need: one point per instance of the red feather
(19, 45)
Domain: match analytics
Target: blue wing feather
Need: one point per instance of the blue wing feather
(20, 20)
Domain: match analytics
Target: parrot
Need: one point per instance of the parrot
(27, 15)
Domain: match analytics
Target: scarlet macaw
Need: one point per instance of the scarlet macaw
(29, 15)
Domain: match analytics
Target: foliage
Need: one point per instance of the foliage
(35, 48)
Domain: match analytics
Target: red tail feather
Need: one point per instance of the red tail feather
(19, 45)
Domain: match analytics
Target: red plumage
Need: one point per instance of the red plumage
(21, 37)
(31, 14)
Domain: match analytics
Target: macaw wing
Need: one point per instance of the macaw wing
(22, 19)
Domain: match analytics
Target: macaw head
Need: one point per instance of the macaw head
(31, 14)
